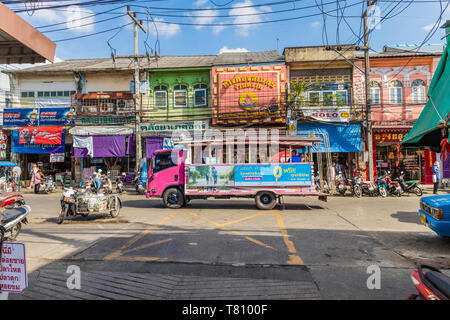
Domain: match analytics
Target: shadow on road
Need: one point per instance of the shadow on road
(405, 216)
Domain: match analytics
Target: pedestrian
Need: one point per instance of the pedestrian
(34, 170)
(436, 176)
(37, 181)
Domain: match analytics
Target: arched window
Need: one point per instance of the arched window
(180, 96)
(375, 92)
(395, 92)
(160, 96)
(418, 91)
(200, 95)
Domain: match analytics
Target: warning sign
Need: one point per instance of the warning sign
(13, 272)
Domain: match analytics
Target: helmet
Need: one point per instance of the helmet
(99, 170)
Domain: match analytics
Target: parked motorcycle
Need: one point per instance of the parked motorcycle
(47, 185)
(11, 199)
(325, 188)
(119, 184)
(381, 186)
(431, 285)
(12, 220)
(410, 186)
(107, 184)
(393, 188)
(340, 184)
(138, 184)
(84, 202)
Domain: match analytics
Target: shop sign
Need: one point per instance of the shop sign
(23, 117)
(329, 114)
(37, 148)
(40, 135)
(57, 157)
(13, 269)
(107, 120)
(389, 137)
(174, 126)
(3, 144)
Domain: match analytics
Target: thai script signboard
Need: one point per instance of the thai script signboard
(13, 272)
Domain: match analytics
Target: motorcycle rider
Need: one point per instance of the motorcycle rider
(97, 179)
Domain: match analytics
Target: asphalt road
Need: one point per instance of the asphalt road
(227, 249)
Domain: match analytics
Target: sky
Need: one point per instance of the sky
(239, 25)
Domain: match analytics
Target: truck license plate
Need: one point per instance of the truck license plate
(423, 219)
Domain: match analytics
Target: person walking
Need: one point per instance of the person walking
(436, 176)
(37, 181)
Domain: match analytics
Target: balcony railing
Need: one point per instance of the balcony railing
(103, 103)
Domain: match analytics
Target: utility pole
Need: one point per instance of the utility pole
(137, 84)
(368, 98)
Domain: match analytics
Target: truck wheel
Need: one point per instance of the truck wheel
(173, 198)
(265, 200)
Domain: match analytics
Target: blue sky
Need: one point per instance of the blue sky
(410, 26)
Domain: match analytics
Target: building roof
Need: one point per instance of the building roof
(20, 42)
(407, 50)
(162, 62)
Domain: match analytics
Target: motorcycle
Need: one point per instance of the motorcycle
(11, 199)
(340, 184)
(107, 184)
(138, 184)
(12, 220)
(119, 185)
(431, 285)
(83, 202)
(410, 186)
(393, 186)
(325, 187)
(381, 186)
(47, 186)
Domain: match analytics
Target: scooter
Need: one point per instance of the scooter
(12, 220)
(381, 186)
(11, 199)
(340, 184)
(47, 186)
(410, 186)
(431, 285)
(393, 188)
(138, 184)
(325, 188)
(119, 185)
(107, 184)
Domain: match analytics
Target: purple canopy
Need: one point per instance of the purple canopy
(104, 146)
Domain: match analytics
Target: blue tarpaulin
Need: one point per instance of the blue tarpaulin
(342, 138)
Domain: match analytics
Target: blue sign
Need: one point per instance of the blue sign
(23, 117)
(273, 175)
(37, 148)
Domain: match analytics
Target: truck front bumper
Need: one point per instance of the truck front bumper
(441, 227)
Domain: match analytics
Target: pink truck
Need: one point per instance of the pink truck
(177, 182)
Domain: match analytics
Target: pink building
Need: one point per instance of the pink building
(399, 81)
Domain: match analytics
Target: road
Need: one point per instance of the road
(227, 249)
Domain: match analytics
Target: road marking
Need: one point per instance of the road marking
(246, 218)
(117, 255)
(260, 243)
(293, 259)
(203, 218)
(148, 245)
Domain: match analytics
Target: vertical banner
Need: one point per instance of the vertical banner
(3, 144)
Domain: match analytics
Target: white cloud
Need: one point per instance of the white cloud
(225, 49)
(199, 3)
(204, 17)
(164, 29)
(245, 14)
(315, 24)
(218, 28)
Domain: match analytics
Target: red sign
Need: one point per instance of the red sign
(393, 137)
(40, 135)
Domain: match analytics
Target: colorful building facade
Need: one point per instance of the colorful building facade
(399, 80)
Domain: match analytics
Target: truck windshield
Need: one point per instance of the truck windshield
(164, 161)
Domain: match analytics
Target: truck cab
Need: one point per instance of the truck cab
(434, 213)
(166, 171)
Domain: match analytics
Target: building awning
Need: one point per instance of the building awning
(426, 132)
(20, 42)
(100, 131)
(341, 138)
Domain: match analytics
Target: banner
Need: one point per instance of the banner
(298, 174)
(57, 157)
(37, 148)
(330, 114)
(3, 144)
(40, 135)
(24, 117)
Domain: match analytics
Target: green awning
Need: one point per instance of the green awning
(426, 132)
